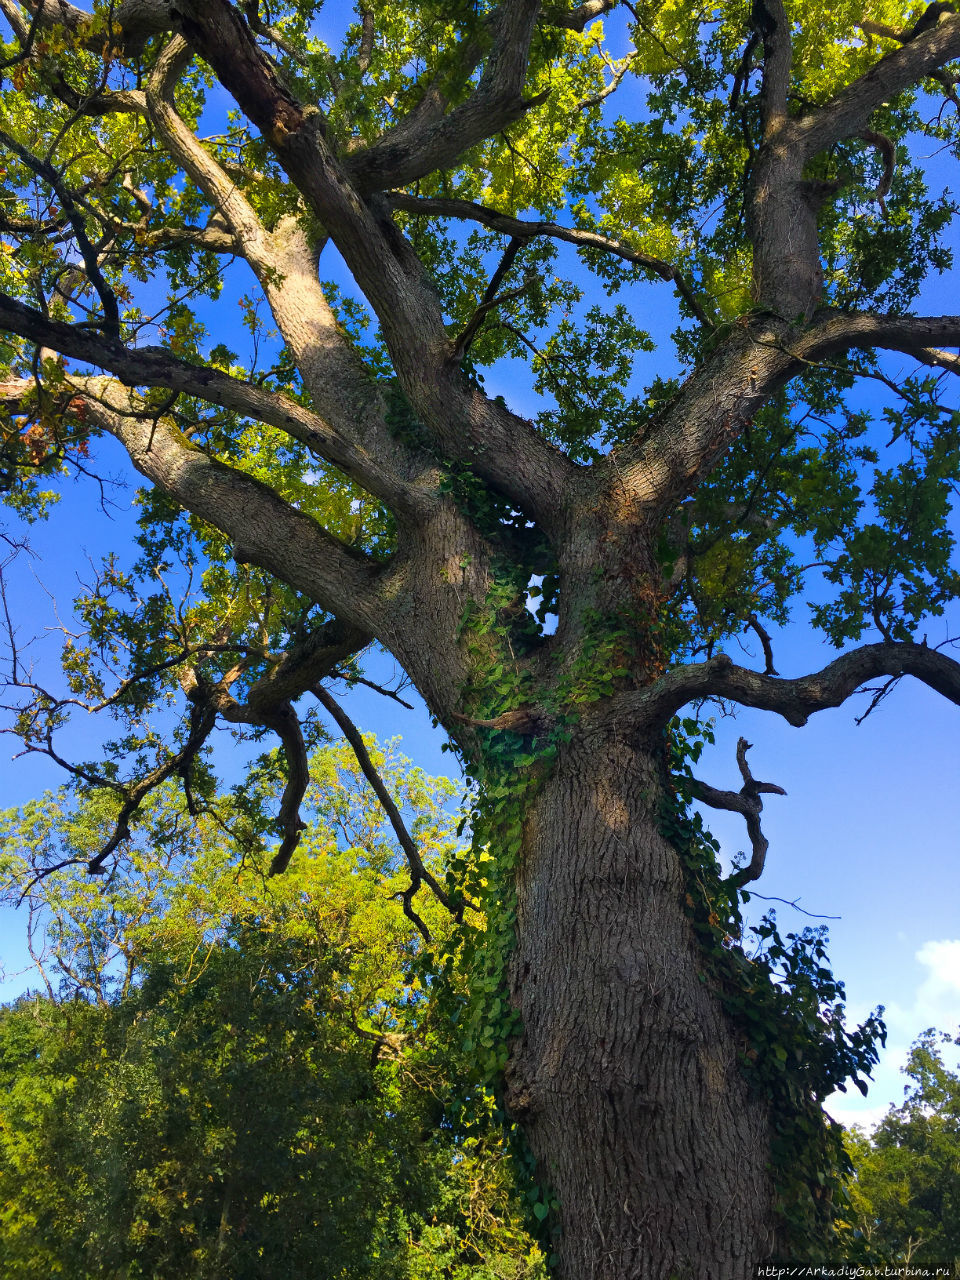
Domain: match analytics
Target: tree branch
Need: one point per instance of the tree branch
(764, 637)
(770, 19)
(419, 874)
(264, 529)
(405, 154)
(282, 719)
(663, 465)
(577, 19)
(185, 147)
(91, 262)
(747, 802)
(158, 367)
(202, 721)
(524, 230)
(849, 112)
(795, 699)
(491, 299)
(783, 203)
(285, 263)
(919, 336)
(501, 447)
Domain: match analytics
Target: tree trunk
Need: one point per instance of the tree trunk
(625, 1079)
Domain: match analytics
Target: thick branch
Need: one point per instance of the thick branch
(665, 464)
(499, 446)
(577, 19)
(21, 28)
(307, 662)
(848, 114)
(186, 149)
(771, 21)
(285, 263)
(60, 13)
(783, 203)
(158, 367)
(919, 336)
(716, 405)
(140, 19)
(265, 529)
(403, 155)
(794, 699)
(212, 238)
(285, 724)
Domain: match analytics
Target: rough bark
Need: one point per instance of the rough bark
(625, 1078)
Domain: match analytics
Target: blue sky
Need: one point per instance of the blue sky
(869, 831)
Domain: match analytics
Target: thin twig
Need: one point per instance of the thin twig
(418, 872)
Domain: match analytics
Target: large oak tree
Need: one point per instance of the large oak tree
(359, 486)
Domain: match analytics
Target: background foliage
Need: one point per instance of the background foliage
(228, 1076)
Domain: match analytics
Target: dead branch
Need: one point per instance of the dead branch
(747, 802)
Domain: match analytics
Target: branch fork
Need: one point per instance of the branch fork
(747, 802)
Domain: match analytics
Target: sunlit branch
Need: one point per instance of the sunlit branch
(848, 113)
(406, 153)
(501, 447)
(159, 367)
(618, 71)
(264, 528)
(578, 18)
(183, 144)
(24, 31)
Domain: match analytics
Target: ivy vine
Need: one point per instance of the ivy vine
(787, 1006)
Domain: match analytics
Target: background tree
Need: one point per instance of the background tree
(232, 1075)
(340, 486)
(905, 1198)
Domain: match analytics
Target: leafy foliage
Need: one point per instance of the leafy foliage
(903, 1203)
(237, 1075)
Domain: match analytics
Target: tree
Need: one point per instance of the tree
(905, 1198)
(344, 486)
(232, 1075)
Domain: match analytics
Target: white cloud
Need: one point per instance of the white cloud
(849, 1114)
(935, 1003)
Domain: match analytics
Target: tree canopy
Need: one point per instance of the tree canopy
(500, 190)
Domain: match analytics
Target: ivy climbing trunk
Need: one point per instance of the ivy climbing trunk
(625, 1078)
